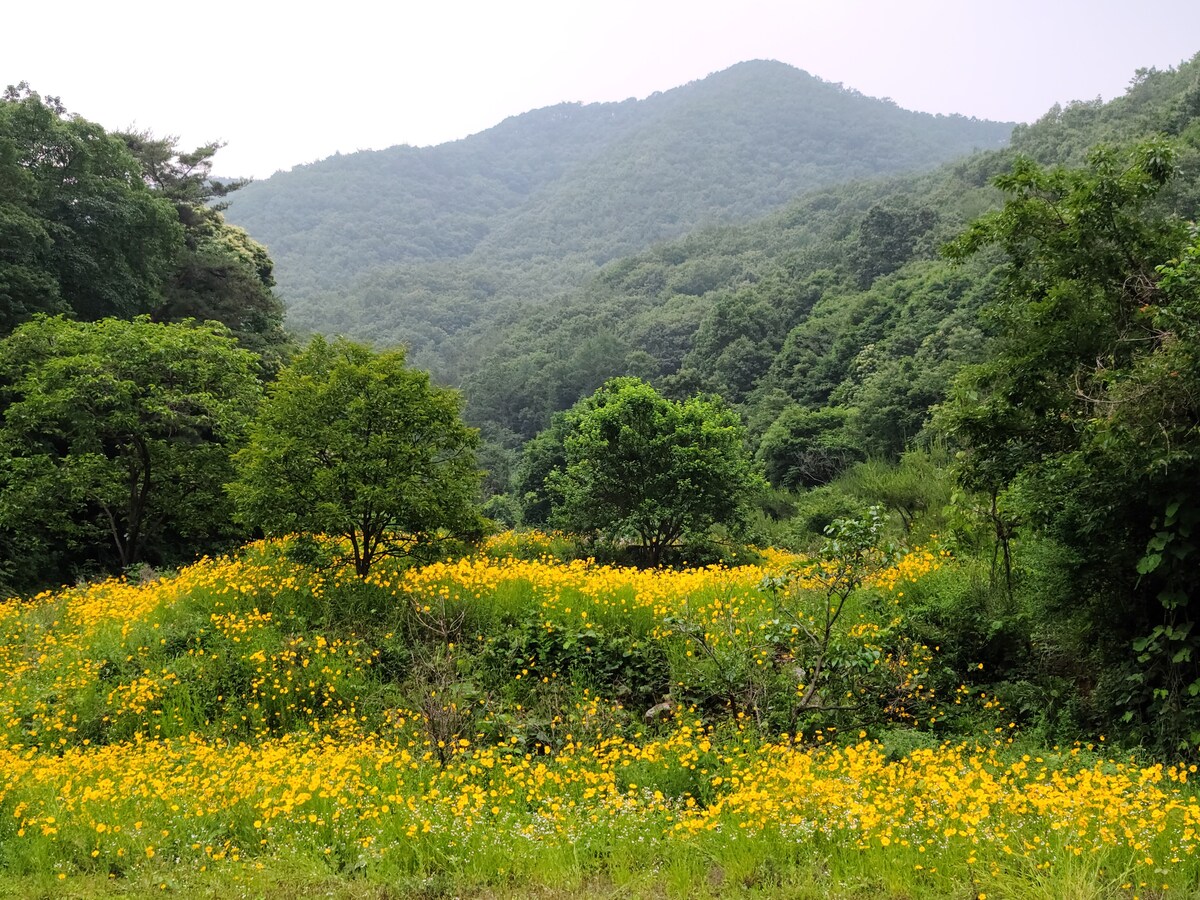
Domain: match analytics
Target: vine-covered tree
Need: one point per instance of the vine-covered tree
(806, 448)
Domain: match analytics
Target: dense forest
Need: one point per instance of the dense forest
(108, 240)
(412, 245)
(841, 300)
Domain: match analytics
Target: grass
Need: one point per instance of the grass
(476, 729)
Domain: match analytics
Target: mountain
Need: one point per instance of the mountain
(836, 298)
(411, 245)
(840, 298)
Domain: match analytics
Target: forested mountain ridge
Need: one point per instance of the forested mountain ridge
(363, 242)
(840, 300)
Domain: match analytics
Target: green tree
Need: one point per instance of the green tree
(353, 443)
(119, 431)
(82, 233)
(1083, 422)
(887, 238)
(183, 178)
(96, 224)
(806, 447)
(540, 457)
(646, 469)
(221, 273)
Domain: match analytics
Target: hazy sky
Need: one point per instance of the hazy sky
(290, 83)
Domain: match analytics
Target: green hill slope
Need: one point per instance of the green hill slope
(838, 299)
(410, 245)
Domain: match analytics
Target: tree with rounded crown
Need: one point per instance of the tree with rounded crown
(651, 471)
(352, 443)
(118, 432)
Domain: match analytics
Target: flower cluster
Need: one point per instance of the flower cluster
(216, 717)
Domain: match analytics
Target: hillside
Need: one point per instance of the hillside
(363, 242)
(253, 727)
(936, 639)
(840, 298)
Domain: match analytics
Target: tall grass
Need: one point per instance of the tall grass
(479, 724)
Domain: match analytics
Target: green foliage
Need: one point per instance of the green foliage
(641, 468)
(833, 300)
(118, 432)
(888, 237)
(415, 245)
(805, 666)
(918, 489)
(852, 551)
(805, 448)
(503, 509)
(544, 454)
(1082, 424)
(1158, 101)
(95, 224)
(183, 178)
(82, 233)
(226, 278)
(221, 274)
(617, 662)
(351, 442)
(818, 508)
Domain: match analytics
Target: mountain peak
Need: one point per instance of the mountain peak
(571, 186)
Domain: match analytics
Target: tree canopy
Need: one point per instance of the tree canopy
(425, 245)
(352, 443)
(220, 273)
(642, 468)
(118, 432)
(96, 224)
(81, 231)
(1083, 422)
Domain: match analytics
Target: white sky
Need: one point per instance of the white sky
(288, 83)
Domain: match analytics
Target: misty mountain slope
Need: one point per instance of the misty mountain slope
(839, 298)
(352, 212)
(531, 207)
(729, 148)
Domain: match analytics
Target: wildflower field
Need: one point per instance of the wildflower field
(511, 723)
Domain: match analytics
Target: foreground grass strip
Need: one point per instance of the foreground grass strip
(363, 804)
(227, 730)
